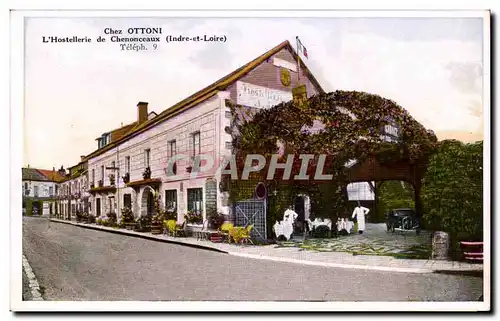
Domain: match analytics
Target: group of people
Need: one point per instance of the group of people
(343, 225)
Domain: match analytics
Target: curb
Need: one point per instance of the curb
(33, 283)
(469, 272)
(334, 265)
(143, 236)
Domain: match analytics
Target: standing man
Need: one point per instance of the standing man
(360, 212)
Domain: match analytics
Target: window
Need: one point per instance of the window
(113, 164)
(102, 173)
(127, 164)
(195, 144)
(127, 200)
(147, 157)
(73, 208)
(93, 176)
(228, 114)
(51, 191)
(171, 152)
(172, 148)
(195, 199)
(26, 190)
(36, 191)
(171, 199)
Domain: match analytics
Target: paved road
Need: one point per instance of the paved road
(74, 263)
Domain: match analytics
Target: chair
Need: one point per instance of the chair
(245, 235)
(204, 233)
(174, 229)
(224, 230)
(165, 227)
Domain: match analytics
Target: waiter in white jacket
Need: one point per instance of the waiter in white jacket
(360, 212)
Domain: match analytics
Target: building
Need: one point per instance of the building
(40, 188)
(130, 162)
(73, 192)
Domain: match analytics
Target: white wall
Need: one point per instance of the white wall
(43, 188)
(205, 117)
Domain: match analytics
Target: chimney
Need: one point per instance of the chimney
(62, 171)
(82, 158)
(142, 112)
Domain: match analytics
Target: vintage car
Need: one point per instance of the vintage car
(402, 219)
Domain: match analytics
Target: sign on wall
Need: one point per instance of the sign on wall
(260, 97)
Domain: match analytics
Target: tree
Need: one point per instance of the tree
(393, 194)
(452, 190)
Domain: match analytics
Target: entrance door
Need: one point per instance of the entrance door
(300, 210)
(98, 207)
(151, 205)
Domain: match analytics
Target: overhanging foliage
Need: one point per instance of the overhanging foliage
(344, 125)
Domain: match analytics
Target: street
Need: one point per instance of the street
(73, 263)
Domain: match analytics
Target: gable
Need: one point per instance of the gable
(263, 86)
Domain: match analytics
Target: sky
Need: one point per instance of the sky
(75, 92)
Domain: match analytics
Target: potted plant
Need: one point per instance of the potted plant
(111, 219)
(193, 217)
(112, 179)
(85, 217)
(215, 219)
(128, 218)
(126, 178)
(91, 219)
(79, 216)
(143, 223)
(147, 173)
(170, 214)
(157, 223)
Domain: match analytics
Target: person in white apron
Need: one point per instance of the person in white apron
(360, 212)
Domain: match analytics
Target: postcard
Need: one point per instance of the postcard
(283, 161)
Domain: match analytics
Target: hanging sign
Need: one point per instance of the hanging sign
(300, 96)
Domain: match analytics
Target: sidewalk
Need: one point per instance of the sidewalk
(298, 256)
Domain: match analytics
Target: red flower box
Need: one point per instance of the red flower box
(216, 238)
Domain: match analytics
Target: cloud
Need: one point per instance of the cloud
(75, 92)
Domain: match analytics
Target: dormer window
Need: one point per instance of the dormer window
(103, 140)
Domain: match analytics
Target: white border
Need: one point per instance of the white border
(17, 101)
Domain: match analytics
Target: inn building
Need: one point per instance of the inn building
(130, 162)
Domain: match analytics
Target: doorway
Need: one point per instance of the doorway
(300, 209)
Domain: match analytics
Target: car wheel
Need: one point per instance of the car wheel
(389, 227)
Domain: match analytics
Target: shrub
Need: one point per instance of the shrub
(452, 189)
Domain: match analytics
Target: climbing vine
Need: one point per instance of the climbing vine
(343, 125)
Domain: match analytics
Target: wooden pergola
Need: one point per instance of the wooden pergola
(403, 170)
